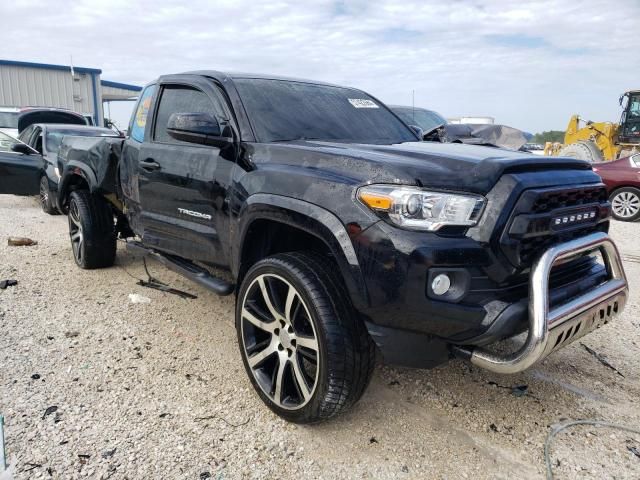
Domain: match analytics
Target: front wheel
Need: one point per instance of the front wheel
(307, 353)
(625, 204)
(582, 150)
(92, 230)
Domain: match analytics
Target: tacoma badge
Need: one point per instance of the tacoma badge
(194, 214)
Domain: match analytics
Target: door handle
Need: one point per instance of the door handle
(149, 164)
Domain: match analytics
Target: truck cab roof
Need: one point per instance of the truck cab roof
(222, 76)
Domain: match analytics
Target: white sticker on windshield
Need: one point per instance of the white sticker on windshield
(362, 103)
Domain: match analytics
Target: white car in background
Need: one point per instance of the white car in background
(9, 121)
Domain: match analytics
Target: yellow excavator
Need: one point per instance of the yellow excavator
(602, 141)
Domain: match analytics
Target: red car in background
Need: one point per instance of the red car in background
(622, 178)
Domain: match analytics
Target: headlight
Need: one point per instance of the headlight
(418, 209)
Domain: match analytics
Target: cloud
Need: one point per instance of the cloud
(516, 41)
(530, 65)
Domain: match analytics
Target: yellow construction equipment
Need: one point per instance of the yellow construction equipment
(597, 142)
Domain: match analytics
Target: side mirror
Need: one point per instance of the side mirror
(23, 148)
(200, 128)
(417, 130)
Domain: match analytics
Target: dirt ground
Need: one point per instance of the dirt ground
(94, 386)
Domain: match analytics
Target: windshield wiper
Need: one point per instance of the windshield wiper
(300, 138)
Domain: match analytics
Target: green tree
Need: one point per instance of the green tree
(548, 136)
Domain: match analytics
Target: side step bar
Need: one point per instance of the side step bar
(552, 329)
(186, 269)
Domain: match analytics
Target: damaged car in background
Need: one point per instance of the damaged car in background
(37, 146)
(342, 233)
(13, 119)
(435, 128)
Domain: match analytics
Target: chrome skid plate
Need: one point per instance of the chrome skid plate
(550, 330)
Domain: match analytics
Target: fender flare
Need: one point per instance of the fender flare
(311, 219)
(71, 170)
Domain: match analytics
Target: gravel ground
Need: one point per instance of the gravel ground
(94, 386)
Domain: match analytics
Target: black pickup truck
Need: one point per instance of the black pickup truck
(342, 233)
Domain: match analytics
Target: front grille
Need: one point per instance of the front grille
(532, 247)
(554, 200)
(543, 218)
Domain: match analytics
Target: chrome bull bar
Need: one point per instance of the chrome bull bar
(550, 330)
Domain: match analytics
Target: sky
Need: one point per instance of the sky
(530, 64)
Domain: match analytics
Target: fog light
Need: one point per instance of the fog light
(441, 284)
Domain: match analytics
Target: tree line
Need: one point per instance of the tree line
(548, 136)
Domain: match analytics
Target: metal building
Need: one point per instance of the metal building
(79, 89)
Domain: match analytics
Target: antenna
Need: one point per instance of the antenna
(71, 62)
(413, 105)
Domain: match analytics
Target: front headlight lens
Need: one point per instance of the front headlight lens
(419, 209)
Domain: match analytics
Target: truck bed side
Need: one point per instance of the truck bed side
(94, 159)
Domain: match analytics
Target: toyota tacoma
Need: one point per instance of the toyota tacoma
(341, 233)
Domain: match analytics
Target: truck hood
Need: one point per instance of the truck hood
(448, 166)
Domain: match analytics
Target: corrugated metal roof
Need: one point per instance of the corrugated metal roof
(49, 66)
(122, 86)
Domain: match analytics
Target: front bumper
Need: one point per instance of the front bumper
(552, 329)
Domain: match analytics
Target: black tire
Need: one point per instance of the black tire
(92, 230)
(45, 197)
(345, 355)
(625, 204)
(583, 150)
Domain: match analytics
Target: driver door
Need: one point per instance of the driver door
(183, 186)
(19, 172)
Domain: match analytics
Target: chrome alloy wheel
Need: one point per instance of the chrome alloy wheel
(279, 341)
(75, 231)
(625, 204)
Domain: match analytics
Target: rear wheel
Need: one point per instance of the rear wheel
(92, 230)
(307, 353)
(625, 204)
(46, 202)
(584, 150)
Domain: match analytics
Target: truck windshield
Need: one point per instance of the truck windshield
(283, 110)
(8, 119)
(427, 120)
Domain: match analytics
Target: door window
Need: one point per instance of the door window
(634, 106)
(36, 140)
(181, 99)
(25, 135)
(139, 119)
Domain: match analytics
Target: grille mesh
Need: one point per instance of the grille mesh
(532, 247)
(549, 201)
